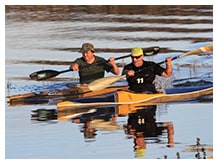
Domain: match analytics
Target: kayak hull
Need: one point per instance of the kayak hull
(127, 98)
(74, 92)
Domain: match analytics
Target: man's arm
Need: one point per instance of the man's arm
(168, 71)
(115, 70)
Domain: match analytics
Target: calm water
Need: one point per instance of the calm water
(48, 37)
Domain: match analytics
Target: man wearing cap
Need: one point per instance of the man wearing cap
(141, 74)
(92, 67)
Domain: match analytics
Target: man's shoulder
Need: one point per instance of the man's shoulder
(98, 58)
(148, 63)
(130, 65)
(79, 59)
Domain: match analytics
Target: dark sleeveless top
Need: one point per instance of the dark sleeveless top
(144, 76)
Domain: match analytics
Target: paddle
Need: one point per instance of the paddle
(102, 83)
(46, 74)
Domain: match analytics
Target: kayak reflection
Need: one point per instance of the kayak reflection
(141, 126)
(43, 114)
(96, 119)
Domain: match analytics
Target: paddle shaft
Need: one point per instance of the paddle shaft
(195, 51)
(46, 74)
(147, 52)
(202, 49)
(121, 57)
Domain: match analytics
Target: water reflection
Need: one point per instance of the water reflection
(142, 127)
(43, 114)
(201, 150)
(99, 118)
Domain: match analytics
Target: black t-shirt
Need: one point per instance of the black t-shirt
(144, 76)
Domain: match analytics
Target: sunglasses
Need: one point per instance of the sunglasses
(137, 57)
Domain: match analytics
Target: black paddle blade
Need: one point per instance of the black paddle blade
(151, 51)
(43, 75)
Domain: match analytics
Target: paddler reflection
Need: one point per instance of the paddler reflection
(88, 131)
(143, 128)
(43, 114)
(98, 119)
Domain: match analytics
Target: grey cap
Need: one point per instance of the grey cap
(86, 47)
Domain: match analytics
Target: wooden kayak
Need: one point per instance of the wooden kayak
(168, 95)
(127, 98)
(180, 97)
(74, 92)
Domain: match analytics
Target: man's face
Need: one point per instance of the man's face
(137, 60)
(88, 56)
